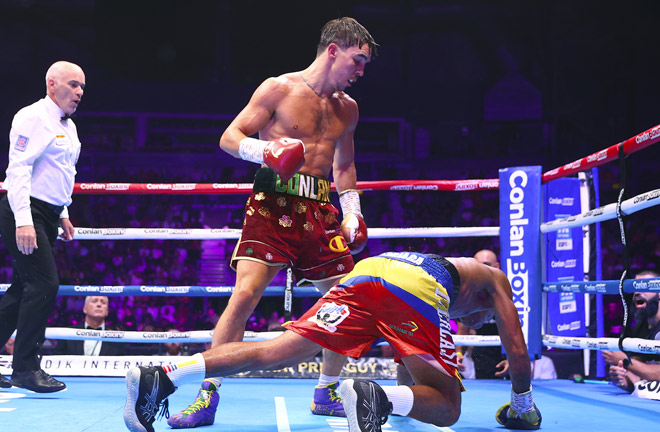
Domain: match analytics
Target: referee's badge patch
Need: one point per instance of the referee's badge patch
(330, 315)
(21, 143)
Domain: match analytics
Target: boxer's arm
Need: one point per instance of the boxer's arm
(353, 227)
(508, 327)
(343, 165)
(520, 412)
(254, 117)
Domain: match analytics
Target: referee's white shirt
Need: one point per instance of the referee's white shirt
(43, 151)
(92, 347)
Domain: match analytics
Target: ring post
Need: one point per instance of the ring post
(520, 246)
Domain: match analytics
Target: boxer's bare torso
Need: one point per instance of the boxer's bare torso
(319, 121)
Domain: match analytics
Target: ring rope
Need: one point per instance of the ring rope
(246, 188)
(607, 212)
(197, 336)
(638, 345)
(587, 287)
(232, 233)
(169, 291)
(203, 336)
(629, 146)
(604, 287)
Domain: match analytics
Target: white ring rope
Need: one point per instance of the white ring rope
(604, 286)
(203, 336)
(606, 212)
(645, 346)
(197, 336)
(231, 233)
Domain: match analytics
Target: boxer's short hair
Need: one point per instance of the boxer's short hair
(346, 32)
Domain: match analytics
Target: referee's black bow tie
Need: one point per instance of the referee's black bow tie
(66, 117)
(94, 328)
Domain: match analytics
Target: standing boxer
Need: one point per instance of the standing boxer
(305, 123)
(43, 151)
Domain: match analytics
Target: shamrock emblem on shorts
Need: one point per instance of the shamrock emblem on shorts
(301, 208)
(286, 221)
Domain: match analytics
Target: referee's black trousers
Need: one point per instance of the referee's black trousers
(28, 302)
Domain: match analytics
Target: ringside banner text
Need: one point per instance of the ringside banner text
(520, 219)
(564, 260)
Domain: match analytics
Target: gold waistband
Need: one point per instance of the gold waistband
(300, 185)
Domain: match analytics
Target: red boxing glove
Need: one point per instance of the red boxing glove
(354, 231)
(285, 156)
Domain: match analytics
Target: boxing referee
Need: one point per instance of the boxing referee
(43, 151)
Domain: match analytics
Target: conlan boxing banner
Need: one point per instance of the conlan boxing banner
(520, 222)
(564, 258)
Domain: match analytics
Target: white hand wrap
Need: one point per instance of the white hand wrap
(252, 150)
(522, 402)
(350, 202)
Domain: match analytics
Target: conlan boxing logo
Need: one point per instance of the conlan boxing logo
(520, 200)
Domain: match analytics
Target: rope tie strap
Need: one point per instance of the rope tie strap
(624, 162)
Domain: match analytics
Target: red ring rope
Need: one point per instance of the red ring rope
(244, 188)
(631, 145)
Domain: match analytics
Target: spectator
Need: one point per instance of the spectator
(147, 348)
(275, 322)
(96, 312)
(613, 318)
(173, 348)
(633, 374)
(543, 368)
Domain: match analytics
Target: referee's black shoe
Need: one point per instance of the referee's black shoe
(4, 382)
(37, 380)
